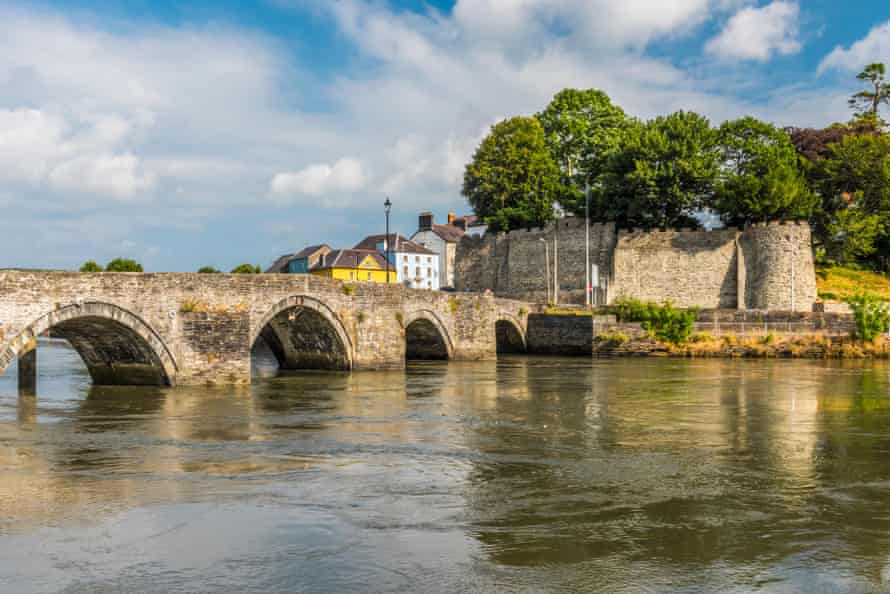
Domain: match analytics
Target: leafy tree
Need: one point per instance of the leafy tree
(208, 270)
(246, 269)
(856, 177)
(512, 181)
(582, 128)
(91, 266)
(813, 144)
(662, 174)
(123, 265)
(760, 179)
(866, 104)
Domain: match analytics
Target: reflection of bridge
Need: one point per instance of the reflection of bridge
(200, 328)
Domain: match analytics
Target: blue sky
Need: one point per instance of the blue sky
(218, 132)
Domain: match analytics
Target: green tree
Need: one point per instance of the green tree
(872, 316)
(123, 265)
(246, 269)
(91, 266)
(855, 176)
(208, 270)
(661, 175)
(512, 181)
(582, 128)
(866, 104)
(760, 178)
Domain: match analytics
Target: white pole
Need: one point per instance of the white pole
(547, 267)
(556, 264)
(793, 296)
(587, 288)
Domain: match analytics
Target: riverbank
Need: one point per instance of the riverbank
(730, 347)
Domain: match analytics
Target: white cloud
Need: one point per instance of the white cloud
(118, 176)
(874, 47)
(345, 176)
(758, 33)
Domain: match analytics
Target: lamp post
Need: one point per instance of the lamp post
(386, 207)
(588, 289)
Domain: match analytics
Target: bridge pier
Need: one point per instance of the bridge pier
(28, 369)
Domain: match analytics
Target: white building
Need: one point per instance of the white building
(443, 240)
(416, 267)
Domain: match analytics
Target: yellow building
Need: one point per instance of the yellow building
(354, 265)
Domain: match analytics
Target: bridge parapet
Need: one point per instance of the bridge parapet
(200, 328)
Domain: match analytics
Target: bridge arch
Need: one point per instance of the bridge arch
(510, 334)
(305, 333)
(426, 337)
(117, 346)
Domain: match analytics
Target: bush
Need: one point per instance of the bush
(208, 270)
(871, 314)
(123, 265)
(633, 310)
(616, 338)
(670, 325)
(246, 269)
(91, 266)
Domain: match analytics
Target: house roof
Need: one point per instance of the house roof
(280, 265)
(449, 233)
(397, 244)
(308, 251)
(347, 258)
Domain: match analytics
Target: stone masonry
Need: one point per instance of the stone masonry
(200, 328)
(764, 267)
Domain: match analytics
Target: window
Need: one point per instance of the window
(429, 284)
(417, 259)
(405, 259)
(369, 276)
(417, 272)
(352, 276)
(429, 259)
(429, 272)
(405, 272)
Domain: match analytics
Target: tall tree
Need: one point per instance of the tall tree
(582, 128)
(512, 181)
(91, 266)
(760, 178)
(855, 177)
(662, 174)
(866, 104)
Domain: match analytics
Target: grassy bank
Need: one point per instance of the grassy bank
(767, 347)
(837, 283)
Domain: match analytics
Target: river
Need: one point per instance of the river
(524, 475)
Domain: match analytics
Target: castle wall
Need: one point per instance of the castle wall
(727, 268)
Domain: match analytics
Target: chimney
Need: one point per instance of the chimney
(451, 217)
(425, 221)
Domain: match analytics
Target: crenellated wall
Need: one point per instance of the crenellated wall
(755, 268)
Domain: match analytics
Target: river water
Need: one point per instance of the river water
(525, 475)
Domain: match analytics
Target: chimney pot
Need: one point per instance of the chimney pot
(451, 217)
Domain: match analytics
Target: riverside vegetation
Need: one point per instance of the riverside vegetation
(670, 331)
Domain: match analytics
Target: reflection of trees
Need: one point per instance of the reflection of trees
(680, 462)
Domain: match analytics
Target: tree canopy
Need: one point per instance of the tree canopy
(246, 269)
(91, 266)
(123, 265)
(866, 104)
(662, 174)
(512, 180)
(760, 178)
(582, 128)
(208, 270)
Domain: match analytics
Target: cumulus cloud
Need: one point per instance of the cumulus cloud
(345, 176)
(118, 176)
(874, 47)
(759, 33)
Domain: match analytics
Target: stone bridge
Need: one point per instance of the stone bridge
(169, 329)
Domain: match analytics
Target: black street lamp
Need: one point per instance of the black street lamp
(387, 206)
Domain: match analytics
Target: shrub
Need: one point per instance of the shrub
(453, 304)
(702, 338)
(871, 314)
(246, 269)
(360, 316)
(613, 338)
(91, 266)
(123, 265)
(208, 270)
(670, 325)
(348, 289)
(633, 310)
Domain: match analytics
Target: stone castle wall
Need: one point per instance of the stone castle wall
(761, 267)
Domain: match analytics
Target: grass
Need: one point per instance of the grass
(837, 283)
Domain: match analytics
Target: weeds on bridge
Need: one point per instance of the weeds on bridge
(360, 316)
(348, 290)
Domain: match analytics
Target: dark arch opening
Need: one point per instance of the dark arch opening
(509, 338)
(301, 338)
(424, 341)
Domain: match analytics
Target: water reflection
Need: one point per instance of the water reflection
(530, 474)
